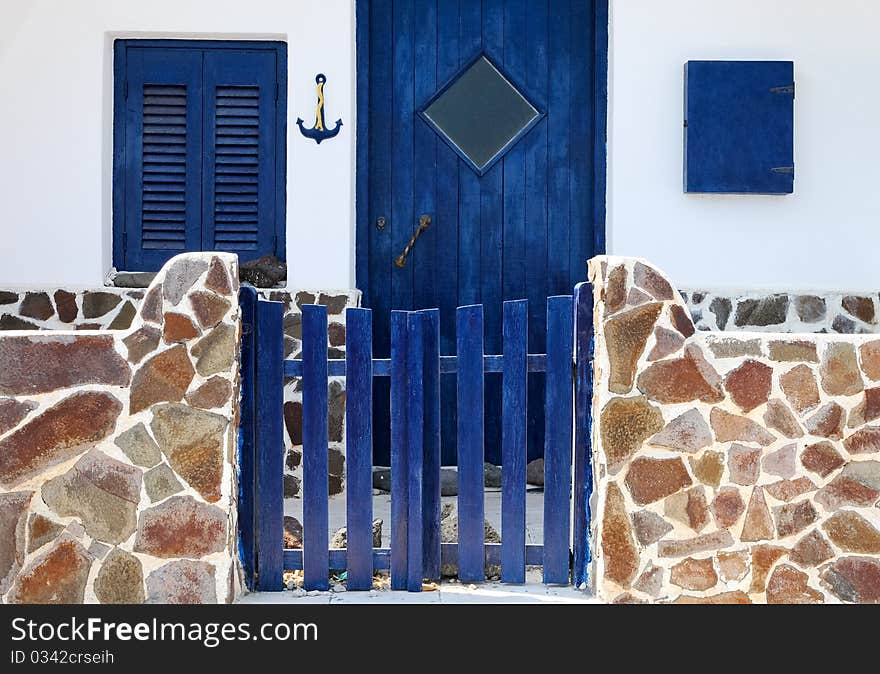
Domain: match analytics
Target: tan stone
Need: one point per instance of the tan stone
(626, 336)
(710, 542)
(681, 380)
(651, 280)
(781, 462)
(821, 458)
(744, 464)
(763, 559)
(42, 530)
(787, 585)
(649, 527)
(215, 352)
(121, 579)
(839, 370)
(650, 581)
(733, 566)
(13, 411)
(778, 417)
(811, 550)
(618, 546)
(792, 518)
(212, 394)
(727, 506)
(749, 384)
(178, 328)
(208, 308)
(217, 278)
(871, 408)
(735, 597)
(57, 576)
(650, 480)
(141, 343)
(827, 422)
(151, 307)
(799, 386)
(793, 351)
(786, 490)
(870, 355)
(163, 378)
(181, 527)
(694, 574)
(851, 532)
(182, 582)
(615, 289)
(124, 318)
(625, 424)
(13, 518)
(844, 491)
(680, 319)
(758, 525)
(709, 468)
(689, 508)
(688, 433)
(65, 430)
(854, 579)
(731, 347)
(636, 297)
(730, 427)
(864, 441)
(160, 483)
(666, 342)
(138, 446)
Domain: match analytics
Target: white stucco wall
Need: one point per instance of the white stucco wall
(825, 235)
(56, 117)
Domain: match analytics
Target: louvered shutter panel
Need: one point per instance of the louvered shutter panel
(163, 156)
(240, 152)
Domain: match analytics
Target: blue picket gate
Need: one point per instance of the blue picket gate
(415, 369)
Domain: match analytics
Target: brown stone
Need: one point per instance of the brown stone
(733, 566)
(709, 468)
(856, 416)
(178, 328)
(182, 582)
(293, 421)
(124, 318)
(821, 458)
(649, 527)
(787, 585)
(786, 490)
(65, 303)
(694, 574)
(793, 351)
(151, 307)
(636, 297)
(860, 307)
(839, 370)
(792, 518)
(12, 411)
(161, 482)
(57, 576)
(217, 278)
(192, 440)
(625, 424)
(650, 480)
(293, 533)
(681, 380)
(851, 532)
(618, 546)
(811, 550)
(10, 322)
(870, 355)
(36, 305)
(871, 407)
(763, 559)
(781, 462)
(627, 598)
(690, 508)
(212, 394)
(727, 506)
(864, 441)
(102, 492)
(336, 411)
(758, 525)
(13, 518)
(95, 304)
(180, 277)
(688, 433)
(680, 319)
(615, 289)
(65, 430)
(729, 427)
(121, 579)
(854, 579)
(735, 597)
(8, 297)
(844, 491)
(163, 378)
(142, 342)
(650, 581)
(749, 384)
(666, 342)
(652, 281)
(799, 386)
(208, 308)
(710, 542)
(729, 347)
(41, 531)
(181, 527)
(39, 364)
(778, 417)
(827, 422)
(336, 334)
(215, 352)
(744, 464)
(626, 335)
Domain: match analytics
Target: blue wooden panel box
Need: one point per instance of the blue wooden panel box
(739, 127)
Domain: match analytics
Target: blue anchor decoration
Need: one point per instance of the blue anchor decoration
(319, 132)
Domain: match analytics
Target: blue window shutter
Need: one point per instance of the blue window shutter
(240, 146)
(163, 155)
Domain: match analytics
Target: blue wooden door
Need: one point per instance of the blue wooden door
(519, 226)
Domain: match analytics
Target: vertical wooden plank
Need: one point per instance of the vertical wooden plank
(362, 158)
(270, 445)
(399, 435)
(431, 440)
(359, 447)
(581, 115)
(600, 121)
(469, 334)
(247, 298)
(583, 453)
(513, 441)
(557, 445)
(559, 120)
(316, 556)
(415, 329)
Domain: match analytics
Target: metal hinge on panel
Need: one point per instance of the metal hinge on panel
(787, 170)
(786, 90)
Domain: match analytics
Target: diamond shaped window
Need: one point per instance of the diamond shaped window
(481, 114)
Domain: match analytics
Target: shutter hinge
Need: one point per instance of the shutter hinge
(785, 170)
(786, 90)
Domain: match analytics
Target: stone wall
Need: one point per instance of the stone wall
(729, 468)
(68, 309)
(118, 449)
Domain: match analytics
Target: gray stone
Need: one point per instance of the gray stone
(649, 527)
(339, 539)
(264, 272)
(121, 579)
(335, 411)
(10, 322)
(36, 305)
(7, 297)
(182, 582)
(139, 447)
(335, 461)
(215, 352)
(382, 479)
(688, 433)
(293, 533)
(809, 308)
(180, 277)
(770, 310)
(135, 279)
(13, 517)
(535, 472)
(448, 482)
(449, 534)
(95, 304)
(843, 325)
(491, 475)
(291, 486)
(160, 483)
(335, 304)
(721, 307)
(781, 462)
(124, 318)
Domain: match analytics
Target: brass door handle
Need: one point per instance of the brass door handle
(424, 223)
